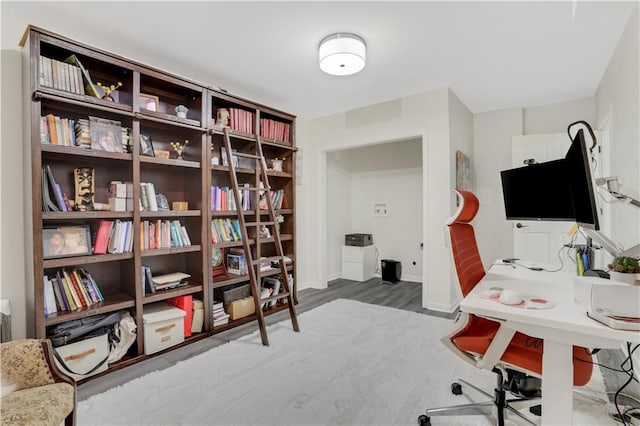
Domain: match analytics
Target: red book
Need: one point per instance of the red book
(102, 237)
(186, 304)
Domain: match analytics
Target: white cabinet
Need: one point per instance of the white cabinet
(358, 263)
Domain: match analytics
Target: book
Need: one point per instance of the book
(102, 236)
(89, 87)
(617, 322)
(186, 304)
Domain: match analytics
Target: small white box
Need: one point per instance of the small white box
(118, 190)
(163, 327)
(118, 204)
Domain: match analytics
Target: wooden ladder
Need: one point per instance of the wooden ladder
(253, 264)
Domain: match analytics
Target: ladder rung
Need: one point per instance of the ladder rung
(269, 259)
(242, 154)
(256, 223)
(277, 296)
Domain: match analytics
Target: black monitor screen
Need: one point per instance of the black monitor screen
(538, 192)
(581, 183)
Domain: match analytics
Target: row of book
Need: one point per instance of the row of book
(70, 290)
(222, 198)
(114, 236)
(241, 120)
(225, 230)
(276, 199)
(65, 76)
(275, 130)
(220, 316)
(92, 133)
(163, 234)
(149, 199)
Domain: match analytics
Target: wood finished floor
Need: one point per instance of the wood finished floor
(403, 295)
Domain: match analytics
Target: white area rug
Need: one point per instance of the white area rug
(351, 364)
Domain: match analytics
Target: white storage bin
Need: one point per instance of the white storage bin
(163, 327)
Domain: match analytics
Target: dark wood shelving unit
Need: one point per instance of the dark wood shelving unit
(119, 276)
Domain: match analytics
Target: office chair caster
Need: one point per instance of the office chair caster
(456, 388)
(424, 420)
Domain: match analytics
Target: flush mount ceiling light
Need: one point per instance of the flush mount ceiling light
(342, 54)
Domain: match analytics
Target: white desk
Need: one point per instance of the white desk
(561, 327)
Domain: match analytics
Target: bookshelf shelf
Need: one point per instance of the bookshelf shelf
(112, 303)
(143, 109)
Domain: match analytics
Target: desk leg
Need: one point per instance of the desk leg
(557, 383)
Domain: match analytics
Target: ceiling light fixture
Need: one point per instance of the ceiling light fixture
(342, 54)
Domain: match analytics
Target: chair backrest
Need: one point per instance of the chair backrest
(463, 242)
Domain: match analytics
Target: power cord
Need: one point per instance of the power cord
(621, 416)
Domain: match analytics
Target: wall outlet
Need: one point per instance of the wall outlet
(380, 209)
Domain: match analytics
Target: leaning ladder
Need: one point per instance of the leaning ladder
(253, 265)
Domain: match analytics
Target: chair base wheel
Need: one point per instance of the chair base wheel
(456, 388)
(424, 420)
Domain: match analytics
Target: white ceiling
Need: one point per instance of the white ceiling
(492, 55)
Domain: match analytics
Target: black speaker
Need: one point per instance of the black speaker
(391, 270)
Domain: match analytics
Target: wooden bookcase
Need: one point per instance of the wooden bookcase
(145, 104)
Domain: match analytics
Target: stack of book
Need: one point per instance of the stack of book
(65, 76)
(275, 130)
(55, 130)
(114, 236)
(220, 316)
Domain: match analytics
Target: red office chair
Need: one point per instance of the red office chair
(484, 343)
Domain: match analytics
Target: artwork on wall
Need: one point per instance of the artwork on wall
(463, 171)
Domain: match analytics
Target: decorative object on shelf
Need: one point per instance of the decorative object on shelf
(106, 135)
(181, 111)
(217, 261)
(162, 153)
(276, 164)
(264, 232)
(146, 146)
(342, 54)
(85, 190)
(180, 205)
(215, 156)
(163, 203)
(222, 117)
(179, 148)
(66, 241)
(149, 102)
(108, 90)
(126, 140)
(279, 220)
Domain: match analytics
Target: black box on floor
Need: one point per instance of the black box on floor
(391, 270)
(359, 240)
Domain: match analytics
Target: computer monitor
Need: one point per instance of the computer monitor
(538, 191)
(558, 190)
(581, 183)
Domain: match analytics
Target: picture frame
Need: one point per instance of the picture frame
(66, 241)
(106, 135)
(146, 146)
(149, 102)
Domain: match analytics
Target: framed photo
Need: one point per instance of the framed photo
(149, 102)
(65, 241)
(146, 146)
(106, 135)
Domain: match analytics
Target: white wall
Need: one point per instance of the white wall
(338, 208)
(556, 117)
(492, 132)
(422, 116)
(617, 100)
(391, 174)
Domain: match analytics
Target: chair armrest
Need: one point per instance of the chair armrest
(497, 347)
